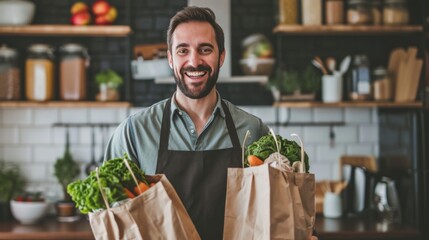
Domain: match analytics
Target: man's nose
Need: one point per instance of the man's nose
(194, 59)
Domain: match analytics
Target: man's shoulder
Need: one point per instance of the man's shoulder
(153, 111)
(238, 112)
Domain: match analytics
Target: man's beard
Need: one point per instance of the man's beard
(208, 86)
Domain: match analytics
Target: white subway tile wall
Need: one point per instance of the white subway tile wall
(28, 138)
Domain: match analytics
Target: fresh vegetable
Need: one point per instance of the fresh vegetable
(266, 145)
(141, 188)
(129, 193)
(254, 160)
(115, 180)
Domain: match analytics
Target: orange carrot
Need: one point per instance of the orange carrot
(143, 187)
(129, 193)
(254, 160)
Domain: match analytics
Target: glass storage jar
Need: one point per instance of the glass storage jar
(74, 60)
(39, 76)
(288, 11)
(376, 12)
(334, 12)
(311, 12)
(395, 12)
(10, 82)
(382, 87)
(359, 12)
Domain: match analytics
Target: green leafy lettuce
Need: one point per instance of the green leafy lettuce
(114, 178)
(266, 145)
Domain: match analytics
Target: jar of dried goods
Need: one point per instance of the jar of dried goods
(382, 85)
(334, 12)
(74, 60)
(311, 12)
(39, 75)
(395, 12)
(376, 12)
(288, 11)
(10, 82)
(359, 12)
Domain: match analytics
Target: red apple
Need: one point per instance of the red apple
(102, 20)
(81, 18)
(100, 7)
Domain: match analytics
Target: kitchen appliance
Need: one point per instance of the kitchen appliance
(16, 12)
(386, 200)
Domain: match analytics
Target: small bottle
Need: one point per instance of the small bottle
(395, 12)
(334, 12)
(376, 12)
(10, 82)
(360, 79)
(39, 73)
(382, 85)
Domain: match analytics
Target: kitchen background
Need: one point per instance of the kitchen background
(30, 138)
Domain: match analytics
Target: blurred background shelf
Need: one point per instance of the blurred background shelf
(346, 29)
(64, 104)
(311, 104)
(66, 30)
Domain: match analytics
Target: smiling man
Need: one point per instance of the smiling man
(194, 136)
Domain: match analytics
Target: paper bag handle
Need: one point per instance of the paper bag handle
(242, 148)
(101, 189)
(301, 168)
(132, 173)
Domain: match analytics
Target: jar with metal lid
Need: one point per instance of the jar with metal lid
(395, 12)
(10, 82)
(39, 75)
(288, 11)
(74, 60)
(359, 12)
(382, 86)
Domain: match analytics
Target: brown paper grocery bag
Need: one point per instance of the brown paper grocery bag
(158, 213)
(266, 203)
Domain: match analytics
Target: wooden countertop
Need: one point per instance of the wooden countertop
(327, 229)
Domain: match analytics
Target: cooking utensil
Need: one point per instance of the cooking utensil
(319, 66)
(331, 64)
(92, 165)
(103, 142)
(345, 63)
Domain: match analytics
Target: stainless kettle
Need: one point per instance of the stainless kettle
(386, 200)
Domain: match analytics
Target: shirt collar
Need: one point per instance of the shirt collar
(218, 108)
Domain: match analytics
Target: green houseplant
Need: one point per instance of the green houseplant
(66, 170)
(108, 83)
(11, 182)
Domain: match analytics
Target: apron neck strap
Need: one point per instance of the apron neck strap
(165, 126)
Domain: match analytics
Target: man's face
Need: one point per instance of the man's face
(195, 58)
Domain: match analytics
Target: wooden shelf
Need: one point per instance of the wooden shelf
(346, 29)
(63, 104)
(349, 104)
(66, 30)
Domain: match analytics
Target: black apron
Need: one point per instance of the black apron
(199, 177)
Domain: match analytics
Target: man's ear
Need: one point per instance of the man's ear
(170, 59)
(222, 58)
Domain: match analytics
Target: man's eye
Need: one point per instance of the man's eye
(182, 51)
(206, 50)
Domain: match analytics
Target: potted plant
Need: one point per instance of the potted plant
(66, 170)
(108, 83)
(293, 85)
(11, 182)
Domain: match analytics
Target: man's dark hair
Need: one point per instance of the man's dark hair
(198, 14)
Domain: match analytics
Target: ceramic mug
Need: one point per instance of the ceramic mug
(332, 207)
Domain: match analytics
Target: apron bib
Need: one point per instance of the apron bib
(199, 177)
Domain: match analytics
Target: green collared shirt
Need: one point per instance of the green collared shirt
(139, 134)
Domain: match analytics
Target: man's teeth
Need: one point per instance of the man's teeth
(195, 74)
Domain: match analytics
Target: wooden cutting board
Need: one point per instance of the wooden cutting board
(395, 58)
(405, 74)
(415, 79)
